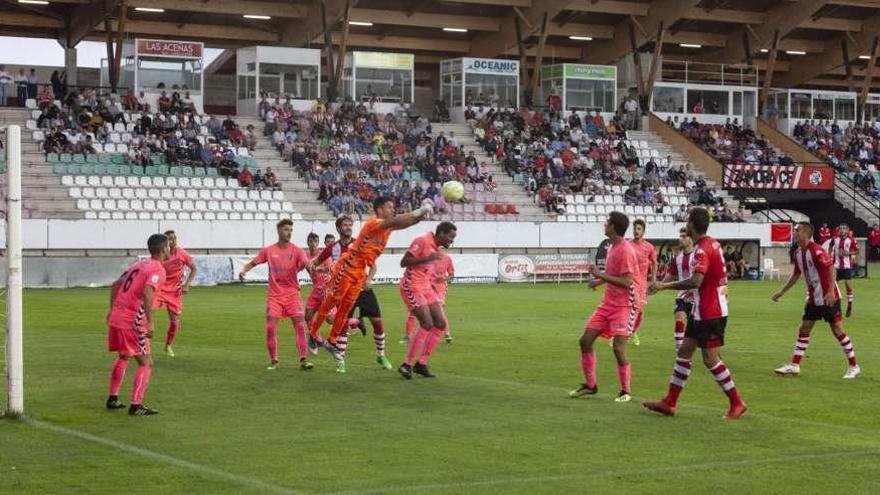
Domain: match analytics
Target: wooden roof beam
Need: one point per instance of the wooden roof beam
(300, 32)
(492, 44)
(232, 7)
(420, 19)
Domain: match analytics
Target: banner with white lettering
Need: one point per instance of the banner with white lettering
(527, 267)
(795, 177)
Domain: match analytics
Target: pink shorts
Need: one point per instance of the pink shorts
(613, 321)
(441, 294)
(128, 341)
(313, 303)
(289, 307)
(171, 300)
(417, 295)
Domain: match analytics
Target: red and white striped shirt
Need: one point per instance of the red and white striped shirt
(815, 265)
(680, 267)
(710, 299)
(842, 249)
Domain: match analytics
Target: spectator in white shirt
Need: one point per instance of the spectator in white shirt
(5, 79)
(21, 87)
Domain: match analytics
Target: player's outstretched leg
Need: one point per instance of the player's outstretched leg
(800, 348)
(678, 335)
(139, 388)
(722, 375)
(117, 375)
(681, 371)
(418, 342)
(588, 365)
(337, 341)
(853, 370)
(272, 342)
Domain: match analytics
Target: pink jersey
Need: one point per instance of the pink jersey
(128, 306)
(646, 257)
(710, 299)
(815, 265)
(284, 265)
(842, 248)
(443, 269)
(178, 260)
(421, 247)
(320, 278)
(680, 268)
(620, 260)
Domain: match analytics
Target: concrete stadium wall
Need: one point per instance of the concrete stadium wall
(48, 234)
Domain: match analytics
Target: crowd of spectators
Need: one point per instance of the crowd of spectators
(730, 143)
(853, 150)
(353, 155)
(85, 122)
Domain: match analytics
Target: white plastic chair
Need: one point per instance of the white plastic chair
(770, 269)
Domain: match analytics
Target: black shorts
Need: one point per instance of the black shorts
(708, 333)
(831, 314)
(367, 304)
(844, 274)
(682, 306)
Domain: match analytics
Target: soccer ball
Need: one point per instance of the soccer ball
(453, 191)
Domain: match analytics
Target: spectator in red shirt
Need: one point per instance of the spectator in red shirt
(874, 242)
(246, 178)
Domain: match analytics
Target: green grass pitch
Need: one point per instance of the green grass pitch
(496, 420)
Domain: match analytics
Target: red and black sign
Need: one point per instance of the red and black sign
(792, 177)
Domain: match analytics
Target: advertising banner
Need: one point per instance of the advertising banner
(793, 177)
(527, 267)
(171, 49)
(379, 60)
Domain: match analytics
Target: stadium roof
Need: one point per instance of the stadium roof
(727, 31)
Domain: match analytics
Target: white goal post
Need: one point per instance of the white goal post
(14, 351)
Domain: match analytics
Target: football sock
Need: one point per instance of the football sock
(272, 339)
(446, 330)
(677, 381)
(342, 343)
(379, 340)
(141, 382)
(410, 324)
(117, 375)
(623, 374)
(173, 327)
(849, 296)
(431, 342)
(679, 333)
(588, 366)
(725, 381)
(301, 345)
(843, 338)
(415, 345)
(800, 348)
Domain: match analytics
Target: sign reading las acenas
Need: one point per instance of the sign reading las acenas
(491, 66)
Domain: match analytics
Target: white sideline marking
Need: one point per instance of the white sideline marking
(156, 456)
(608, 473)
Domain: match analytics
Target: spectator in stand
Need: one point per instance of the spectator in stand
(246, 178)
(5, 80)
(270, 181)
(57, 84)
(164, 102)
(32, 83)
(736, 265)
(554, 104)
(682, 214)
(21, 87)
(740, 215)
(874, 242)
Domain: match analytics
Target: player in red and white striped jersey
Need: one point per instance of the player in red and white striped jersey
(843, 249)
(679, 269)
(823, 300)
(705, 328)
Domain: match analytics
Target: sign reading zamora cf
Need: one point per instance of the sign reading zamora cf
(795, 177)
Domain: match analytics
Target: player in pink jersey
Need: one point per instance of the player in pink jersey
(320, 275)
(823, 300)
(444, 271)
(421, 299)
(283, 300)
(843, 250)
(679, 269)
(646, 256)
(130, 324)
(176, 285)
(615, 317)
(705, 328)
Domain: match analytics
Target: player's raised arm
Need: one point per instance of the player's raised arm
(406, 220)
(693, 282)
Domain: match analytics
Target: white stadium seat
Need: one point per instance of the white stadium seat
(131, 215)
(90, 215)
(75, 192)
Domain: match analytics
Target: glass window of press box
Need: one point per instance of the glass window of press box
(388, 85)
(490, 90)
(296, 81)
(668, 99)
(586, 94)
(707, 102)
(451, 89)
(153, 71)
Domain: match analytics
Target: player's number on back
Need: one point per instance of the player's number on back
(129, 280)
